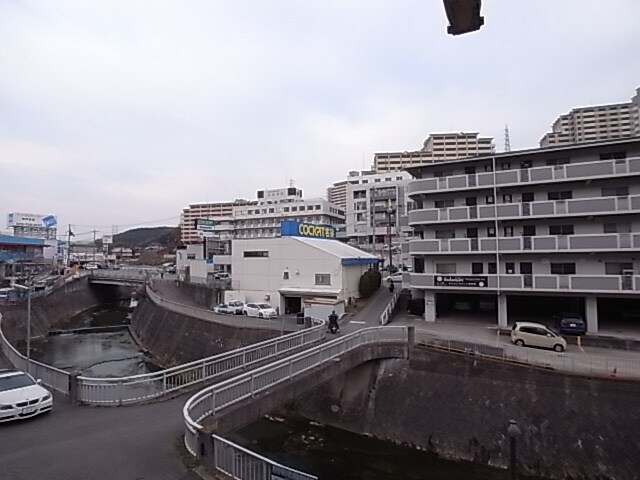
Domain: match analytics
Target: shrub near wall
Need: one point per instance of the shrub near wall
(369, 283)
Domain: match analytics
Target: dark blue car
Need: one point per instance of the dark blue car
(571, 324)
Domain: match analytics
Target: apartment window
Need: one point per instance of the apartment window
(387, 179)
(615, 268)
(563, 268)
(488, 168)
(323, 279)
(360, 194)
(477, 268)
(271, 210)
(510, 268)
(418, 265)
(505, 166)
(446, 268)
(490, 200)
(285, 275)
(439, 173)
(616, 228)
(440, 234)
(255, 254)
(491, 231)
(527, 197)
(529, 231)
(377, 180)
(525, 164)
(365, 181)
(444, 203)
(398, 178)
(317, 207)
(613, 156)
(561, 230)
(491, 268)
(469, 170)
(507, 198)
(294, 209)
(562, 195)
(615, 192)
(508, 231)
(191, 256)
(526, 268)
(557, 161)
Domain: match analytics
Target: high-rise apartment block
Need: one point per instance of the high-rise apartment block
(189, 215)
(591, 124)
(439, 147)
(530, 234)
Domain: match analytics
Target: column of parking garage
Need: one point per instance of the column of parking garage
(591, 310)
(429, 305)
(501, 297)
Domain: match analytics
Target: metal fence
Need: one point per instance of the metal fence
(239, 462)
(139, 388)
(625, 367)
(212, 399)
(52, 377)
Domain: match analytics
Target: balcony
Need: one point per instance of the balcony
(521, 211)
(528, 176)
(543, 244)
(554, 283)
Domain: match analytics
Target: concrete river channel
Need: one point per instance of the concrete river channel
(97, 343)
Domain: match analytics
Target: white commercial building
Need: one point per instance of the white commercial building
(530, 234)
(439, 147)
(599, 122)
(304, 264)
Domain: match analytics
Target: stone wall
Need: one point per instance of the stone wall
(56, 308)
(459, 407)
(174, 338)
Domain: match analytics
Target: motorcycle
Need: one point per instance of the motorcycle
(334, 328)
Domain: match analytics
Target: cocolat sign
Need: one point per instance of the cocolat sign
(290, 228)
(307, 230)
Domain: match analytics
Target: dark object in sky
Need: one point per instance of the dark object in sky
(464, 16)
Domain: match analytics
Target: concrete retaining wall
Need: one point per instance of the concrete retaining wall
(459, 407)
(56, 308)
(174, 338)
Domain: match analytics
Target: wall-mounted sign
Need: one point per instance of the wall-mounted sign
(460, 281)
(205, 224)
(291, 228)
(107, 239)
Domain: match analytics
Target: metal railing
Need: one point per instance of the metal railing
(52, 377)
(215, 398)
(578, 363)
(140, 388)
(121, 275)
(385, 316)
(239, 462)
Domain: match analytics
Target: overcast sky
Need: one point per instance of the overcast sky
(124, 112)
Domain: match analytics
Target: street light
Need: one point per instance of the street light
(28, 289)
(514, 432)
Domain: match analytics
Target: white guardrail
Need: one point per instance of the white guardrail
(385, 316)
(215, 398)
(623, 367)
(52, 377)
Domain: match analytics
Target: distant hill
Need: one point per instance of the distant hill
(168, 237)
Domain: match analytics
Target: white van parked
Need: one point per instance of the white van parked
(5, 293)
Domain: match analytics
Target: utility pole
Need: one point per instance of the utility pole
(94, 246)
(69, 233)
(389, 212)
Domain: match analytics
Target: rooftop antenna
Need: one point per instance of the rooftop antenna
(292, 182)
(507, 141)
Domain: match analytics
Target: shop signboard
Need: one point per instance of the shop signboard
(291, 228)
(460, 281)
(205, 224)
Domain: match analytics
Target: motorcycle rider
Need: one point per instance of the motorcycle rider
(333, 322)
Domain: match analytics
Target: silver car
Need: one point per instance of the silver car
(536, 335)
(21, 396)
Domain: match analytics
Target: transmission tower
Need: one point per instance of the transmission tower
(507, 141)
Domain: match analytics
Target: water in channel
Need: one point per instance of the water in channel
(96, 354)
(332, 453)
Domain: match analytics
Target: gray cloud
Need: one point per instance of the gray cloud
(123, 112)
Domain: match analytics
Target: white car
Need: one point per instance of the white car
(21, 396)
(223, 308)
(91, 266)
(260, 310)
(395, 278)
(236, 307)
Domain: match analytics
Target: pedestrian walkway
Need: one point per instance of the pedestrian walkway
(369, 314)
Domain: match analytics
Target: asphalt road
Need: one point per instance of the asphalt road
(80, 443)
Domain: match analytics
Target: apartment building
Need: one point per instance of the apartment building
(262, 217)
(376, 212)
(600, 122)
(438, 147)
(214, 210)
(530, 234)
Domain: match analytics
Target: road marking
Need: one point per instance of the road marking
(355, 321)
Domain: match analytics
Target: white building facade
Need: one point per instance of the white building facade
(596, 123)
(305, 262)
(438, 147)
(530, 233)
